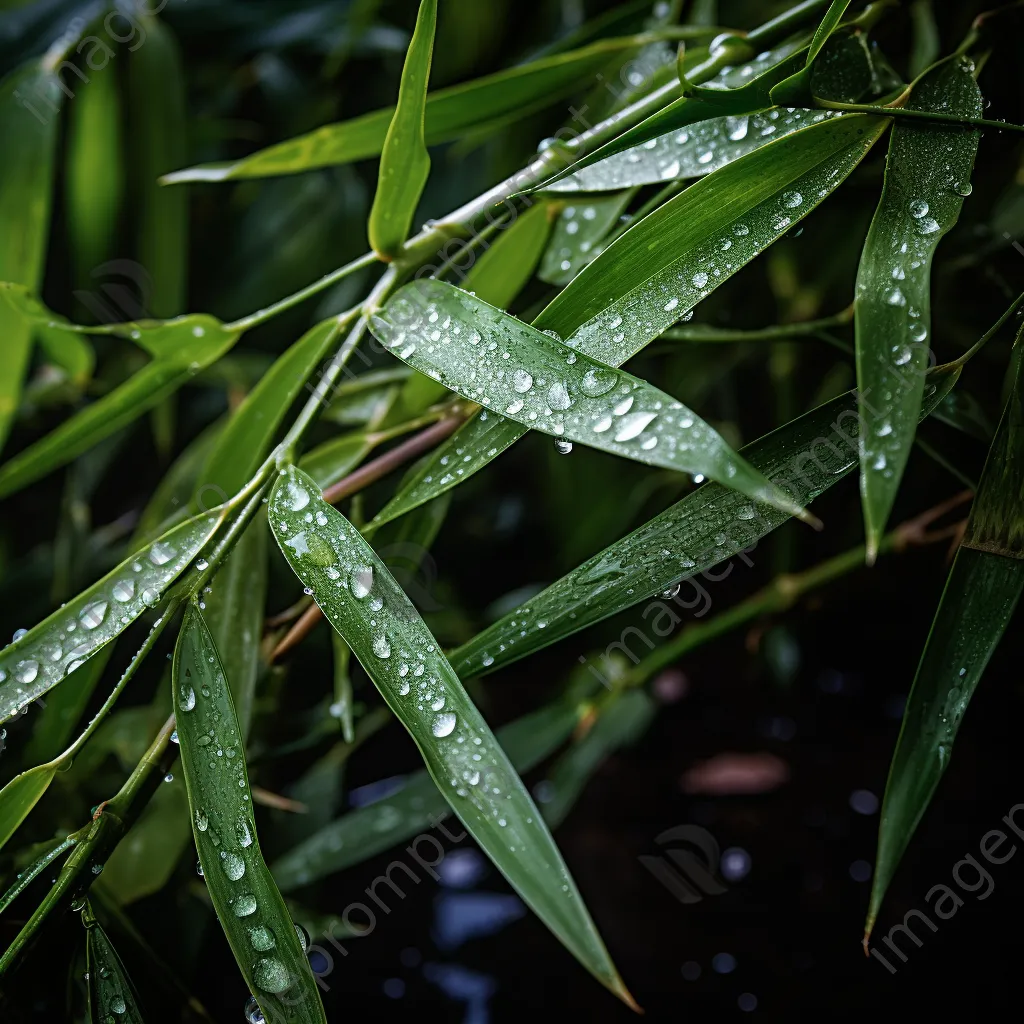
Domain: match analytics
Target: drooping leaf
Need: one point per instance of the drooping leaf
(415, 808)
(385, 632)
(29, 106)
(977, 604)
(20, 795)
(632, 291)
(797, 86)
(404, 161)
(180, 348)
(94, 182)
(249, 906)
(493, 358)
(158, 122)
(927, 175)
(111, 994)
(247, 437)
(578, 230)
(450, 113)
(49, 652)
(708, 526)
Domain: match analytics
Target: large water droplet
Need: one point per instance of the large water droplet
(244, 905)
(563, 447)
(124, 590)
(558, 396)
(597, 382)
(270, 975)
(736, 127)
(362, 582)
(92, 615)
(444, 725)
(188, 698)
(791, 200)
(262, 938)
(633, 425)
(927, 226)
(918, 208)
(26, 671)
(161, 553)
(233, 865)
(522, 381)
(298, 497)
(381, 647)
(700, 279)
(202, 821)
(253, 1013)
(243, 832)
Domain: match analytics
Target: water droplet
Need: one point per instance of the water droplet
(244, 905)
(700, 279)
(123, 590)
(917, 332)
(150, 596)
(117, 1005)
(558, 397)
(739, 230)
(671, 304)
(26, 671)
(927, 226)
(174, 736)
(202, 821)
(362, 583)
(270, 975)
(736, 128)
(233, 865)
(791, 200)
(633, 425)
(444, 725)
(963, 189)
(918, 208)
(161, 553)
(243, 833)
(92, 615)
(563, 447)
(381, 647)
(894, 297)
(262, 938)
(597, 382)
(253, 1013)
(522, 381)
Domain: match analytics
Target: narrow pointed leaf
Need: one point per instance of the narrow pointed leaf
(29, 106)
(111, 994)
(29, 874)
(493, 358)
(180, 347)
(385, 632)
(247, 437)
(49, 652)
(334, 459)
(20, 795)
(710, 525)
(979, 599)
(661, 267)
(404, 161)
(798, 85)
(251, 910)
(451, 113)
(415, 808)
(578, 230)
(927, 174)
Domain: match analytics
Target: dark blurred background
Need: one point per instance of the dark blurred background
(817, 694)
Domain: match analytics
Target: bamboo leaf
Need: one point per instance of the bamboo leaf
(632, 291)
(26, 180)
(416, 807)
(450, 114)
(111, 994)
(33, 871)
(490, 357)
(708, 526)
(334, 459)
(180, 349)
(578, 230)
(248, 904)
(977, 603)
(246, 438)
(404, 161)
(928, 172)
(385, 632)
(20, 795)
(60, 644)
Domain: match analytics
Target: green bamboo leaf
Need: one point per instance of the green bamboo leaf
(49, 652)
(418, 806)
(691, 152)
(26, 180)
(247, 437)
(654, 273)
(979, 599)
(488, 356)
(385, 632)
(235, 609)
(404, 161)
(158, 131)
(578, 230)
(797, 86)
(111, 994)
(180, 347)
(927, 175)
(450, 114)
(250, 908)
(27, 876)
(331, 461)
(710, 525)
(20, 795)
(342, 707)
(71, 352)
(95, 175)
